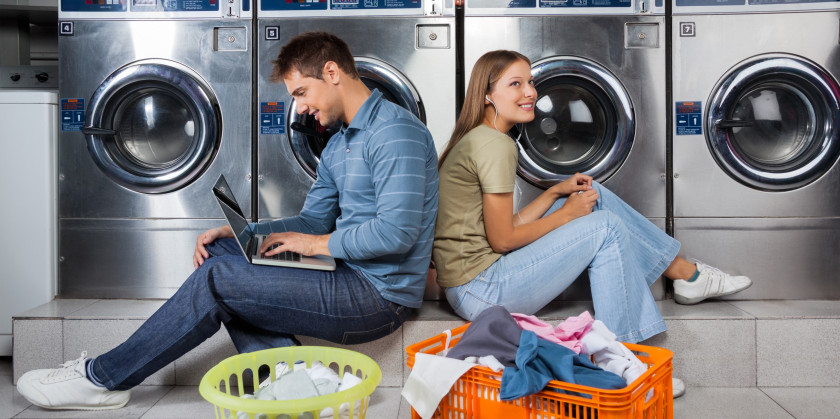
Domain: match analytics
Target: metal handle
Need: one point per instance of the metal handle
(98, 131)
(303, 129)
(733, 123)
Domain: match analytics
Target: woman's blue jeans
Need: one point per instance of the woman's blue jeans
(624, 254)
(261, 307)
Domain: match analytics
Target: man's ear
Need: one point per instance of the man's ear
(331, 72)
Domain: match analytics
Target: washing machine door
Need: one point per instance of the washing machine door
(308, 138)
(772, 122)
(583, 123)
(153, 126)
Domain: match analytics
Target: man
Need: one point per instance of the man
(372, 207)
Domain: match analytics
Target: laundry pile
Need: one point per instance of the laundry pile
(530, 353)
(300, 382)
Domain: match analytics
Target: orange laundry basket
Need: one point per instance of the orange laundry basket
(476, 393)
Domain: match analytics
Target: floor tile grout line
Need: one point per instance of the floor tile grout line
(171, 388)
(775, 401)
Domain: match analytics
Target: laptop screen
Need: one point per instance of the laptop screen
(233, 214)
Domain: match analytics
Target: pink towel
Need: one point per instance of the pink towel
(568, 333)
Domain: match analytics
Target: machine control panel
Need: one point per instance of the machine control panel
(752, 6)
(548, 3)
(29, 77)
(288, 5)
(564, 7)
(144, 6)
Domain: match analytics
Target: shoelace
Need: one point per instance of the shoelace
(717, 279)
(67, 366)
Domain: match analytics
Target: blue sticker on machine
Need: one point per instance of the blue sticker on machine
(72, 114)
(272, 118)
(689, 119)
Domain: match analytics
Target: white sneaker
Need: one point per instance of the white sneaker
(677, 387)
(67, 387)
(711, 282)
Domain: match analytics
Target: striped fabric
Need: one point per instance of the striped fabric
(377, 187)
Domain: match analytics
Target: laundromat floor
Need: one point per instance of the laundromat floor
(739, 359)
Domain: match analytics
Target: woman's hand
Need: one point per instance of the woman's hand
(579, 204)
(204, 239)
(575, 183)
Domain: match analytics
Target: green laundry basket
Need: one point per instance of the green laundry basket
(220, 385)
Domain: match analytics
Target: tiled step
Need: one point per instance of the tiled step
(716, 344)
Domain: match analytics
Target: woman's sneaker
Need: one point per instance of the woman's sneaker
(68, 387)
(711, 282)
(677, 387)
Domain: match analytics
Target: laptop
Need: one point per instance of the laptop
(250, 242)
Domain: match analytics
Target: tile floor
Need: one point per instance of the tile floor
(183, 402)
(780, 336)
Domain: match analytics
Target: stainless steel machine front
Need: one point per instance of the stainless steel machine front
(155, 101)
(599, 71)
(756, 142)
(405, 50)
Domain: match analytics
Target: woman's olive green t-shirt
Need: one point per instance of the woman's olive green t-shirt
(484, 161)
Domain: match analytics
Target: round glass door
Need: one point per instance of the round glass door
(308, 138)
(583, 123)
(772, 123)
(153, 126)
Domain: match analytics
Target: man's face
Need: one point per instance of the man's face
(315, 97)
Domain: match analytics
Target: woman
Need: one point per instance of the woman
(486, 254)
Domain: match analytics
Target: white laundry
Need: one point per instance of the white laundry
(611, 355)
(430, 379)
(766, 106)
(488, 361)
(301, 382)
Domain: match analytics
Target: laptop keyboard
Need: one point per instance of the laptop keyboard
(285, 256)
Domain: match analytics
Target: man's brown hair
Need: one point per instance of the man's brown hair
(309, 52)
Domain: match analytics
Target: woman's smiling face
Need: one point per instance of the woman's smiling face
(512, 98)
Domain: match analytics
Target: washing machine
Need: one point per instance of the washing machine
(599, 70)
(29, 117)
(403, 48)
(155, 104)
(756, 121)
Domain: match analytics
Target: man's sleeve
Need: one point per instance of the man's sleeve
(320, 210)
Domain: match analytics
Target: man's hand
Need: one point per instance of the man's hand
(204, 239)
(305, 244)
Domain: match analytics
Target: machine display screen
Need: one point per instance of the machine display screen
(287, 5)
(585, 3)
(374, 4)
(711, 2)
(513, 4)
(791, 1)
(93, 6)
(143, 5)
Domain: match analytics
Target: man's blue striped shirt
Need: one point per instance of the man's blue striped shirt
(377, 187)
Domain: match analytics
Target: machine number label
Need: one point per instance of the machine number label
(72, 114)
(689, 120)
(272, 118)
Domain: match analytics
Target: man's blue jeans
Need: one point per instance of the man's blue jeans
(623, 252)
(261, 307)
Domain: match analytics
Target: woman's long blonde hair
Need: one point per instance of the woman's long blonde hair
(486, 72)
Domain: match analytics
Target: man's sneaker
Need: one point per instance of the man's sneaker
(711, 282)
(68, 387)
